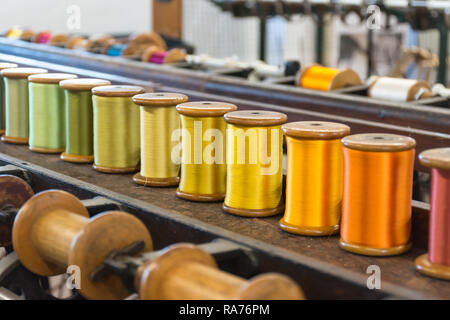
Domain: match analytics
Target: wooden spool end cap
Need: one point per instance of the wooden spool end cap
(436, 158)
(117, 91)
(159, 99)
(28, 215)
(154, 273)
(104, 233)
(149, 51)
(175, 55)
(320, 130)
(379, 142)
(426, 267)
(255, 118)
(83, 84)
(50, 78)
(345, 78)
(271, 286)
(7, 65)
(13, 191)
(27, 35)
(21, 73)
(205, 108)
(59, 39)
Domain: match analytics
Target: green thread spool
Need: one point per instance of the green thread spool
(116, 129)
(79, 119)
(3, 66)
(17, 103)
(47, 112)
(159, 121)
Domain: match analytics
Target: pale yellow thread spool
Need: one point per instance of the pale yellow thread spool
(203, 165)
(159, 121)
(254, 168)
(3, 66)
(116, 129)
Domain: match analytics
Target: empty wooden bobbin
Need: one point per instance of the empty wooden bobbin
(47, 112)
(79, 119)
(185, 272)
(14, 192)
(203, 161)
(159, 121)
(116, 129)
(52, 231)
(322, 78)
(17, 104)
(397, 89)
(3, 66)
(315, 170)
(254, 169)
(376, 205)
(436, 263)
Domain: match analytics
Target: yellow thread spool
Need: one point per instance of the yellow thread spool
(17, 104)
(3, 66)
(47, 112)
(203, 167)
(254, 169)
(314, 178)
(318, 77)
(159, 121)
(116, 129)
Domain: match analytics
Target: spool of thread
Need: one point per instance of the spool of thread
(116, 129)
(398, 90)
(3, 66)
(437, 262)
(76, 42)
(148, 38)
(325, 79)
(79, 119)
(203, 140)
(47, 112)
(254, 169)
(159, 121)
(13, 33)
(59, 40)
(440, 90)
(156, 55)
(42, 37)
(376, 206)
(116, 49)
(314, 178)
(16, 103)
(52, 231)
(27, 35)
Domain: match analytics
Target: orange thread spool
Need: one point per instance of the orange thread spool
(322, 78)
(314, 177)
(376, 207)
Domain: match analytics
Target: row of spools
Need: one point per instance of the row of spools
(358, 184)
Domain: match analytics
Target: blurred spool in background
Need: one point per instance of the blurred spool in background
(376, 209)
(159, 122)
(116, 129)
(47, 112)
(203, 161)
(437, 262)
(254, 169)
(17, 104)
(398, 90)
(79, 118)
(322, 78)
(314, 177)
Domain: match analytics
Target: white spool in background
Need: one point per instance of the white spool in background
(440, 90)
(397, 89)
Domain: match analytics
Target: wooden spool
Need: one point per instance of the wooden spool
(406, 90)
(15, 192)
(318, 77)
(185, 272)
(53, 231)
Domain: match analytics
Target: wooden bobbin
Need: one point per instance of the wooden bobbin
(438, 159)
(49, 79)
(185, 272)
(80, 84)
(20, 73)
(147, 101)
(76, 42)
(312, 130)
(255, 118)
(3, 66)
(340, 79)
(27, 35)
(59, 40)
(114, 91)
(52, 231)
(14, 192)
(201, 109)
(377, 142)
